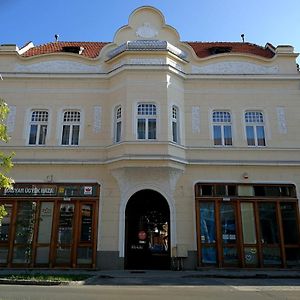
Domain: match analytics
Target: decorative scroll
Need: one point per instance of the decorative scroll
(97, 119)
(196, 119)
(282, 128)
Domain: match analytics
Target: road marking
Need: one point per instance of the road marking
(266, 288)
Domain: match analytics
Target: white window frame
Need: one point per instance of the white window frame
(146, 111)
(72, 122)
(175, 123)
(118, 113)
(222, 119)
(255, 119)
(39, 118)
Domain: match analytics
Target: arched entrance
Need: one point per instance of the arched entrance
(147, 231)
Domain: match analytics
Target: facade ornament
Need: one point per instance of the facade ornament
(282, 128)
(146, 31)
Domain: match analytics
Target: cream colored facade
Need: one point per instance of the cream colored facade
(168, 75)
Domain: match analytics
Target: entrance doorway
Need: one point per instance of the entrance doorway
(147, 229)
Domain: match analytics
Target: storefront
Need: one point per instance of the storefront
(247, 225)
(49, 225)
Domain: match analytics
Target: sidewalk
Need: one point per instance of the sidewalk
(153, 277)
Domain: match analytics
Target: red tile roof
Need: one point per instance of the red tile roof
(91, 49)
(202, 49)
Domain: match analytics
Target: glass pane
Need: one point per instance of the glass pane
(45, 226)
(5, 224)
(271, 256)
(228, 223)
(63, 255)
(65, 135)
(151, 129)
(206, 190)
(43, 133)
(260, 132)
(207, 222)
(118, 132)
(250, 255)
(292, 257)
(248, 223)
(230, 256)
(141, 129)
(227, 136)
(250, 135)
(75, 135)
(3, 255)
(174, 132)
(220, 190)
(84, 255)
(65, 229)
(209, 255)
(289, 223)
(217, 135)
(25, 222)
(32, 135)
(42, 255)
(22, 255)
(86, 223)
(268, 223)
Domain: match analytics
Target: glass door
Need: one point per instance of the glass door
(65, 234)
(85, 247)
(229, 234)
(5, 234)
(249, 240)
(269, 234)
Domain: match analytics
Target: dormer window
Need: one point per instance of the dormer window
(73, 49)
(219, 50)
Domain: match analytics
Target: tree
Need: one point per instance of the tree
(5, 160)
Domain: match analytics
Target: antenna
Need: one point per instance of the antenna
(243, 37)
(56, 37)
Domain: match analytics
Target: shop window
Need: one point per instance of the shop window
(38, 127)
(118, 124)
(222, 134)
(175, 124)
(146, 121)
(255, 128)
(70, 127)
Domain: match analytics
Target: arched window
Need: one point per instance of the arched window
(118, 124)
(255, 128)
(222, 128)
(175, 124)
(38, 127)
(146, 121)
(70, 127)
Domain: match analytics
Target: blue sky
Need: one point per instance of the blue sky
(277, 22)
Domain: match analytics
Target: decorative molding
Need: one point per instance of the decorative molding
(10, 121)
(196, 119)
(147, 61)
(97, 119)
(146, 31)
(235, 67)
(57, 66)
(282, 127)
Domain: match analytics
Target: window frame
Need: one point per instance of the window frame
(222, 125)
(175, 120)
(254, 125)
(147, 118)
(71, 125)
(39, 124)
(118, 115)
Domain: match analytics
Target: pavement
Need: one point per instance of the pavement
(152, 277)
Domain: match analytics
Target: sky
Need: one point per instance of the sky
(273, 21)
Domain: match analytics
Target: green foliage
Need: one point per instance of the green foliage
(5, 159)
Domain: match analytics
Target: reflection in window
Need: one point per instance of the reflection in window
(5, 224)
(65, 227)
(289, 223)
(268, 223)
(228, 223)
(86, 223)
(207, 222)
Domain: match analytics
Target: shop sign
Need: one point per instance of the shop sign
(33, 190)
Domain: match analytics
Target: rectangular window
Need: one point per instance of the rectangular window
(71, 128)
(222, 134)
(146, 121)
(255, 130)
(38, 128)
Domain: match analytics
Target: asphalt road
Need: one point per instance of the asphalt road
(204, 288)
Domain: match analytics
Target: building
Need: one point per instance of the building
(150, 152)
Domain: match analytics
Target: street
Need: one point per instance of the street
(192, 288)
